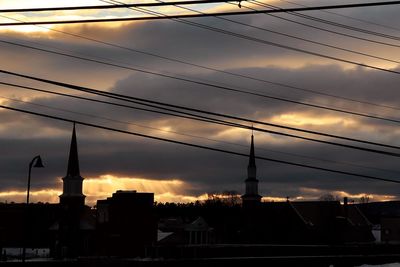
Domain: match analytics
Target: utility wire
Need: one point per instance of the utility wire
(183, 134)
(265, 42)
(179, 114)
(106, 118)
(349, 17)
(252, 78)
(201, 118)
(308, 40)
(340, 25)
(226, 88)
(155, 103)
(198, 146)
(205, 15)
(289, 35)
(235, 74)
(347, 27)
(261, 80)
(324, 29)
(354, 5)
(192, 2)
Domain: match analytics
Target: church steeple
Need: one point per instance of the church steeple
(72, 182)
(251, 168)
(73, 161)
(251, 198)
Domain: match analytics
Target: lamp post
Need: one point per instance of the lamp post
(35, 163)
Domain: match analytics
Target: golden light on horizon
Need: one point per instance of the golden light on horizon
(164, 190)
(44, 195)
(278, 199)
(172, 190)
(315, 194)
(300, 119)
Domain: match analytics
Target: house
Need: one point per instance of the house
(174, 231)
(386, 217)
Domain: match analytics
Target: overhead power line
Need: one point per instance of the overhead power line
(324, 29)
(304, 51)
(339, 25)
(157, 104)
(180, 133)
(198, 146)
(225, 88)
(310, 41)
(259, 28)
(347, 27)
(106, 118)
(235, 74)
(293, 36)
(179, 115)
(203, 15)
(350, 17)
(91, 7)
(303, 138)
(169, 76)
(286, 35)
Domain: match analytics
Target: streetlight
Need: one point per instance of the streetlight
(38, 164)
(35, 163)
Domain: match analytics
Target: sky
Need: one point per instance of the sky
(111, 161)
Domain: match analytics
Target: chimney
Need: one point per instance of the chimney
(346, 207)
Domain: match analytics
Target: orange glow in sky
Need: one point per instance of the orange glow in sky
(104, 186)
(173, 190)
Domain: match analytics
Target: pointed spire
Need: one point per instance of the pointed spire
(73, 161)
(251, 198)
(252, 159)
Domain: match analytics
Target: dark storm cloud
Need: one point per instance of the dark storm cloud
(209, 171)
(127, 156)
(101, 152)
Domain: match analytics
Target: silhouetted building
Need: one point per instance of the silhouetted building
(16, 232)
(390, 230)
(374, 211)
(386, 217)
(72, 195)
(251, 198)
(75, 228)
(176, 231)
(330, 222)
(126, 223)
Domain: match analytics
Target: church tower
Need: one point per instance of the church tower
(72, 195)
(251, 198)
(72, 238)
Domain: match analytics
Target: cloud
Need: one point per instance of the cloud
(103, 152)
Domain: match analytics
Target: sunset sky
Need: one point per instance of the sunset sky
(111, 161)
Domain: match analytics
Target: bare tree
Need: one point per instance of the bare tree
(231, 198)
(328, 197)
(226, 198)
(364, 199)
